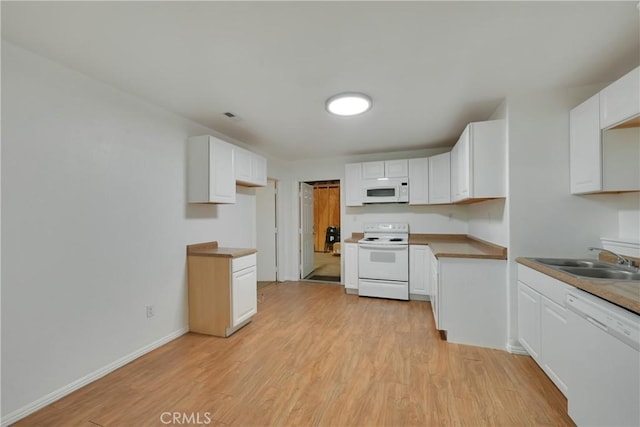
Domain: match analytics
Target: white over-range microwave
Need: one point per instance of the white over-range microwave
(385, 190)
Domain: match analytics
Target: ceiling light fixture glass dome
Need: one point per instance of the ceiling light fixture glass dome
(348, 104)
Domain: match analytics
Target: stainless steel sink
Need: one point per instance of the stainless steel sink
(602, 273)
(570, 262)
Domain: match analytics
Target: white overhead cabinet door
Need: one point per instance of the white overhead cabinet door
(620, 101)
(478, 162)
(419, 181)
(585, 154)
(603, 160)
(353, 184)
(210, 172)
(439, 179)
(244, 292)
(250, 168)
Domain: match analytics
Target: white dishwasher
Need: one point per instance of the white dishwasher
(604, 381)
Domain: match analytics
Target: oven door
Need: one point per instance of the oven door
(383, 262)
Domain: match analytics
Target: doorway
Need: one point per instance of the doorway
(267, 233)
(320, 231)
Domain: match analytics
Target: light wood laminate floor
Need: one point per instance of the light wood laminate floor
(315, 356)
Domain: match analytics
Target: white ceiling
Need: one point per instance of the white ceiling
(430, 67)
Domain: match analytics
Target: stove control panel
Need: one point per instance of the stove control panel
(386, 228)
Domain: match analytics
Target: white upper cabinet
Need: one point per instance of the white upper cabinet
(250, 168)
(419, 181)
(385, 169)
(584, 147)
(210, 172)
(620, 101)
(396, 168)
(439, 179)
(478, 162)
(353, 188)
(373, 170)
(603, 158)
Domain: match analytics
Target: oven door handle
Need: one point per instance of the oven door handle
(383, 247)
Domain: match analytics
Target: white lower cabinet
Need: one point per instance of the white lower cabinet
(542, 324)
(529, 302)
(419, 274)
(554, 341)
(351, 267)
(244, 295)
(470, 302)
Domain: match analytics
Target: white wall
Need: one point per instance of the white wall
(94, 226)
(629, 217)
(266, 231)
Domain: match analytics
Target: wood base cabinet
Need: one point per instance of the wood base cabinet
(222, 293)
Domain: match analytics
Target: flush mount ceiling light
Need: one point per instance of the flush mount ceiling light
(348, 104)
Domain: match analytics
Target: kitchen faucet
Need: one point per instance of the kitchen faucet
(620, 259)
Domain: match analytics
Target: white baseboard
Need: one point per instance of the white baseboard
(81, 382)
(517, 349)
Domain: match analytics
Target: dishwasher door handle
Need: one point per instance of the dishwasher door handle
(597, 323)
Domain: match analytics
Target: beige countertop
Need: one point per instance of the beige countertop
(451, 245)
(625, 293)
(212, 249)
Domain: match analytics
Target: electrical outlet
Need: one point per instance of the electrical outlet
(151, 311)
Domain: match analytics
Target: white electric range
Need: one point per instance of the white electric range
(383, 261)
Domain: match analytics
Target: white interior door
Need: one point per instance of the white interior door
(266, 231)
(306, 230)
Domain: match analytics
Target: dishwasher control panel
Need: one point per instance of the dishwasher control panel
(616, 321)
